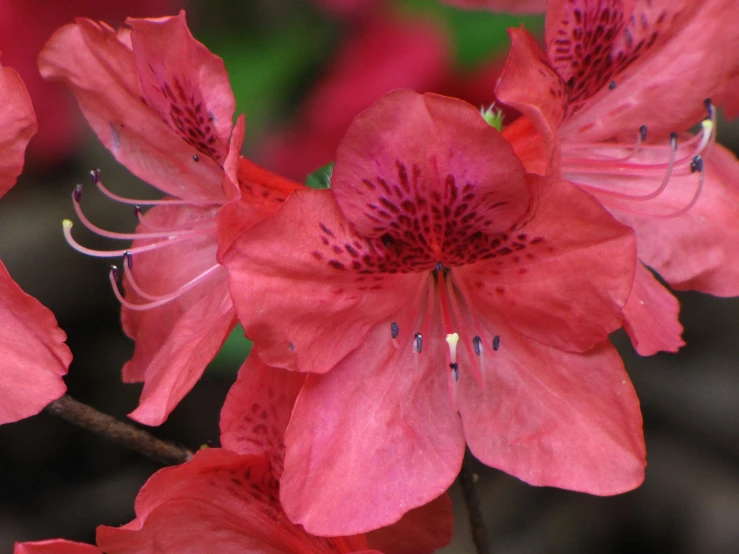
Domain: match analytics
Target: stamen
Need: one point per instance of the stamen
(696, 164)
(139, 202)
(452, 339)
(156, 300)
(67, 228)
(394, 332)
(709, 108)
(77, 195)
(418, 343)
(95, 176)
(477, 344)
(643, 133)
(496, 343)
(612, 85)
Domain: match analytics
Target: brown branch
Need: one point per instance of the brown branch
(123, 433)
(474, 513)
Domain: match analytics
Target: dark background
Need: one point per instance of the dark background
(60, 481)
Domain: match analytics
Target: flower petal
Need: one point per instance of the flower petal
(184, 83)
(18, 124)
(426, 168)
(100, 68)
(420, 531)
(663, 56)
(650, 316)
(373, 438)
(33, 352)
(257, 410)
(565, 277)
(175, 341)
(530, 85)
(298, 265)
(261, 192)
(218, 502)
(553, 418)
(55, 546)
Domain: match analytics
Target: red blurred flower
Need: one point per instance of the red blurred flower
(382, 51)
(34, 356)
(615, 82)
(25, 25)
(162, 104)
(512, 6)
(433, 230)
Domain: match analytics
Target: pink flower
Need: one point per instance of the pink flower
(162, 104)
(228, 501)
(34, 356)
(611, 103)
(437, 277)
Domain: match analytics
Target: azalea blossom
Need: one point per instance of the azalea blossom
(228, 500)
(34, 356)
(612, 102)
(439, 296)
(162, 104)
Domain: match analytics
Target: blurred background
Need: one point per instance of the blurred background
(301, 70)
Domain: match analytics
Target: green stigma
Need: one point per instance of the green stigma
(493, 116)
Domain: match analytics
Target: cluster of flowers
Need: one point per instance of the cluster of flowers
(455, 285)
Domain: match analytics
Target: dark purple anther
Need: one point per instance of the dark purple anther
(643, 133)
(419, 342)
(696, 164)
(114, 273)
(195, 157)
(95, 176)
(128, 259)
(673, 141)
(455, 371)
(137, 211)
(709, 107)
(394, 330)
(612, 85)
(477, 344)
(77, 194)
(496, 342)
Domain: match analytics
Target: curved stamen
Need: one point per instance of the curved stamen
(140, 202)
(67, 228)
(156, 300)
(696, 165)
(77, 195)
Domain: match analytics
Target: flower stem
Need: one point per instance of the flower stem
(123, 433)
(474, 512)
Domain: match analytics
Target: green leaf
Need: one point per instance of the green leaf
(321, 177)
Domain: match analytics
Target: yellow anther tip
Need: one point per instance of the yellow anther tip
(452, 339)
(67, 224)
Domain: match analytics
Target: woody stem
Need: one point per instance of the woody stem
(117, 431)
(474, 512)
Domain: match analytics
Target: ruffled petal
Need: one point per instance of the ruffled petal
(553, 418)
(257, 410)
(55, 546)
(564, 276)
(175, 341)
(18, 124)
(34, 356)
(261, 192)
(421, 531)
(373, 438)
(425, 170)
(529, 84)
(304, 263)
(664, 58)
(184, 83)
(100, 68)
(511, 6)
(218, 502)
(651, 316)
